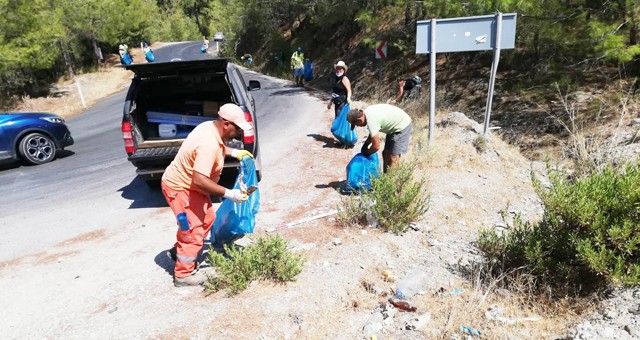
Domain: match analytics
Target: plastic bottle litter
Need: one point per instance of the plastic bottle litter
(412, 283)
(403, 305)
(372, 221)
(470, 331)
(182, 221)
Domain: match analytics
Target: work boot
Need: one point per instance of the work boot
(172, 254)
(195, 279)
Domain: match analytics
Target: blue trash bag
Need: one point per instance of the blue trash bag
(308, 70)
(149, 56)
(233, 220)
(360, 170)
(203, 48)
(126, 59)
(341, 128)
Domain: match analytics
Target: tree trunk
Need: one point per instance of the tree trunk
(67, 60)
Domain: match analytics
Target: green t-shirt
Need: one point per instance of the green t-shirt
(386, 118)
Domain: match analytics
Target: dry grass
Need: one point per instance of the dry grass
(67, 103)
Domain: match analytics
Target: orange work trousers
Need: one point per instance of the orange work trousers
(200, 215)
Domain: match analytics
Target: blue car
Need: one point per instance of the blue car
(33, 137)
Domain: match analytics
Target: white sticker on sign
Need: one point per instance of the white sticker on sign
(467, 34)
(481, 39)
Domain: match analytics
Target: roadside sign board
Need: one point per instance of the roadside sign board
(466, 34)
(381, 50)
(480, 33)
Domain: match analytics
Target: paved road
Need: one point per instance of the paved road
(92, 186)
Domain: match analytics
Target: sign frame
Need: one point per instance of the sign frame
(478, 33)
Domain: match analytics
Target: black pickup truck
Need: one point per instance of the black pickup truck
(167, 100)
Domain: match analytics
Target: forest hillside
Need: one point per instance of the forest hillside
(573, 70)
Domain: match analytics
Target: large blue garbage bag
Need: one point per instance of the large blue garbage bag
(233, 220)
(307, 73)
(341, 128)
(126, 59)
(360, 171)
(203, 48)
(149, 56)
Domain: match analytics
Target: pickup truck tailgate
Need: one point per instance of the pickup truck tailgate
(152, 154)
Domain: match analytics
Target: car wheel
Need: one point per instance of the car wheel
(37, 148)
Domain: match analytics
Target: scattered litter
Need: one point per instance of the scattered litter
(389, 276)
(402, 305)
(373, 325)
(326, 266)
(457, 292)
(470, 331)
(457, 194)
(418, 322)
(377, 290)
(112, 310)
(363, 232)
(337, 241)
(414, 226)
(433, 242)
(304, 220)
(412, 283)
(496, 313)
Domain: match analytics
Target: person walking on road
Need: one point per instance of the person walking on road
(340, 87)
(297, 65)
(148, 53)
(192, 177)
(390, 120)
(125, 57)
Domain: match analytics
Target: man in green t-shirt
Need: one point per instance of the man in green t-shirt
(388, 119)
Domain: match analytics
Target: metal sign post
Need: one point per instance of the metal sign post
(381, 53)
(481, 33)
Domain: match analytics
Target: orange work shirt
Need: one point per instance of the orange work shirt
(201, 151)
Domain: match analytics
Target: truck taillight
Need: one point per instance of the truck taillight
(248, 137)
(128, 138)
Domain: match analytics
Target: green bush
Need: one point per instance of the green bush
(266, 259)
(396, 199)
(589, 234)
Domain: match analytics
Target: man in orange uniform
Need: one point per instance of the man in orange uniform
(192, 177)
